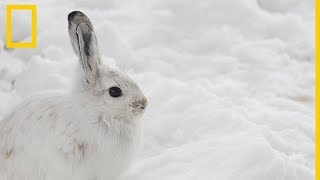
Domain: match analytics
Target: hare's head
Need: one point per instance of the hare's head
(121, 95)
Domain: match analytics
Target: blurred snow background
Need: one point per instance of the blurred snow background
(230, 83)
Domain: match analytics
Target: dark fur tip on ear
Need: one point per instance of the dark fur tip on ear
(77, 17)
(73, 14)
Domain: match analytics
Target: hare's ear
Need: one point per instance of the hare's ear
(85, 45)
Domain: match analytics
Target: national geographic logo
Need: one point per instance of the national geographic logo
(19, 7)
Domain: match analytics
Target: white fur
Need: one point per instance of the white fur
(82, 136)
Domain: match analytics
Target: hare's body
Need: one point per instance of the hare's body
(79, 142)
(89, 135)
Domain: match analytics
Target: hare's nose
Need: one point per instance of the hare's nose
(144, 103)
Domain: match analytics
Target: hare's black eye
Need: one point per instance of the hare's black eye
(115, 91)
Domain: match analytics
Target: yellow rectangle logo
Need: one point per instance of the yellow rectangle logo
(9, 43)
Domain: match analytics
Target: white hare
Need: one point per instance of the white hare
(91, 135)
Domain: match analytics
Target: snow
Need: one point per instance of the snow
(230, 83)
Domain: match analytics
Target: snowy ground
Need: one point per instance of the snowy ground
(230, 83)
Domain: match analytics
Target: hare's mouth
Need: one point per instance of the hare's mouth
(138, 107)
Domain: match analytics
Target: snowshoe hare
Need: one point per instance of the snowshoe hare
(91, 135)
